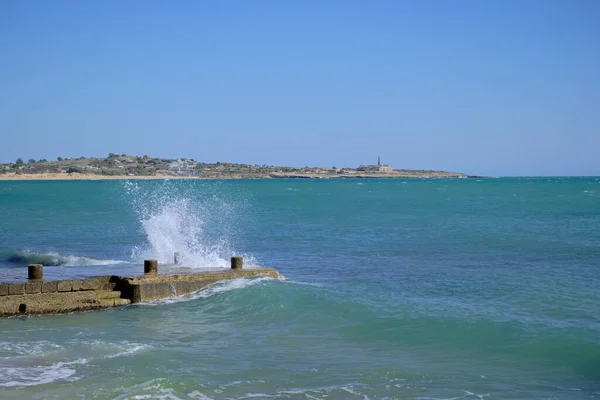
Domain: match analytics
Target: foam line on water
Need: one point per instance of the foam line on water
(156, 389)
(108, 350)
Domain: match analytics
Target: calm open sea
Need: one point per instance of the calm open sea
(395, 289)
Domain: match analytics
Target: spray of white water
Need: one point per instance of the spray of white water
(193, 224)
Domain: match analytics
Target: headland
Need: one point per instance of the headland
(134, 167)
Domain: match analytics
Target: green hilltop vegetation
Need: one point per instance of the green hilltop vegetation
(144, 166)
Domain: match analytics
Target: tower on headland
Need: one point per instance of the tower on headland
(375, 168)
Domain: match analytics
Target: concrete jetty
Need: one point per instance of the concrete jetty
(37, 296)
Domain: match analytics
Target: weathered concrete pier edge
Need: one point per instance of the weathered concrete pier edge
(37, 296)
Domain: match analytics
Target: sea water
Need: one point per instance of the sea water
(394, 289)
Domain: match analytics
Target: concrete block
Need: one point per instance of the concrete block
(136, 293)
(49, 287)
(3, 289)
(33, 287)
(76, 285)
(16, 288)
(64, 286)
(108, 286)
(91, 284)
(186, 287)
(148, 291)
(113, 302)
(108, 294)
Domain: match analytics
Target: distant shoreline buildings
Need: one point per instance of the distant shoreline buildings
(375, 168)
(129, 167)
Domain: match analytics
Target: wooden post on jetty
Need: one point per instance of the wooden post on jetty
(35, 272)
(150, 267)
(237, 263)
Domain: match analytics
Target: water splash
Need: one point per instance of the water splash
(188, 218)
(178, 226)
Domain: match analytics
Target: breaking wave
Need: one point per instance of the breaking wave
(24, 257)
(32, 363)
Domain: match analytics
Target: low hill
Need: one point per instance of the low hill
(125, 166)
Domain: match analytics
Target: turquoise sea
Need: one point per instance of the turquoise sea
(395, 289)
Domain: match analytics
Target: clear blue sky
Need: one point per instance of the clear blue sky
(498, 87)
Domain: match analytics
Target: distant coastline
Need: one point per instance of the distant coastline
(93, 177)
(81, 177)
(120, 167)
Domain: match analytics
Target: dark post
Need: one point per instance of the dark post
(150, 267)
(237, 263)
(35, 271)
(176, 258)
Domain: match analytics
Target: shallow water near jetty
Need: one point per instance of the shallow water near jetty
(394, 289)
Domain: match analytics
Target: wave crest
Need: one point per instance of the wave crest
(24, 257)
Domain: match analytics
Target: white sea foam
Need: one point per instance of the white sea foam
(153, 389)
(198, 395)
(32, 348)
(36, 362)
(129, 350)
(158, 389)
(479, 396)
(341, 391)
(107, 350)
(16, 376)
(351, 390)
(158, 394)
(303, 283)
(227, 286)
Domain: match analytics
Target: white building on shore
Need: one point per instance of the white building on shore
(375, 168)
